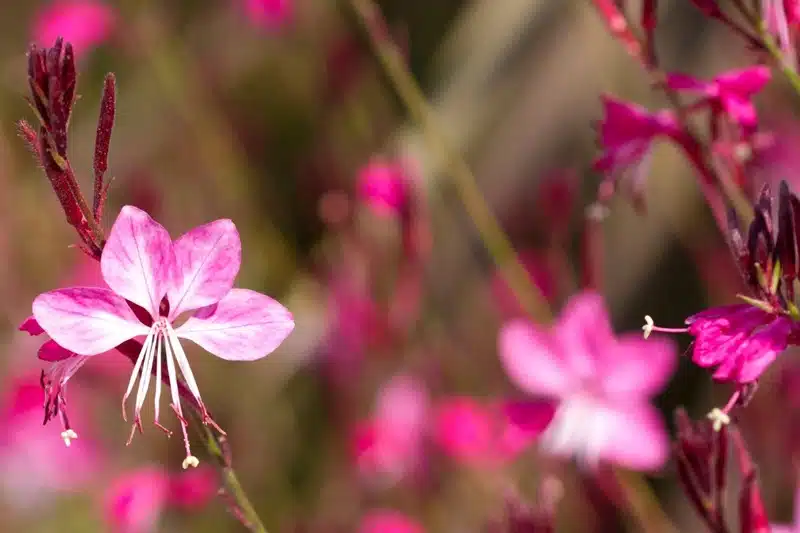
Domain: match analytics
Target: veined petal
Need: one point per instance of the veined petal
(532, 361)
(137, 260)
(243, 326)
(207, 260)
(86, 320)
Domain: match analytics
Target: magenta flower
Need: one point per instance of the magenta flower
(83, 23)
(729, 93)
(153, 281)
(602, 384)
(742, 340)
(388, 446)
(627, 132)
(388, 521)
(135, 501)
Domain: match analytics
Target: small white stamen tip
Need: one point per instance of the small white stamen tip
(68, 436)
(648, 326)
(719, 418)
(190, 461)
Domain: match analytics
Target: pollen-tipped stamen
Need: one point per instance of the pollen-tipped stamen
(649, 327)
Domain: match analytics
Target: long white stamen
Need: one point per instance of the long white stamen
(147, 373)
(183, 362)
(158, 379)
(135, 373)
(173, 380)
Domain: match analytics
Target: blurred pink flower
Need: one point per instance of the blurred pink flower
(728, 93)
(627, 132)
(84, 23)
(383, 186)
(794, 527)
(135, 501)
(388, 521)
(478, 434)
(602, 384)
(389, 445)
(269, 14)
(34, 465)
(163, 279)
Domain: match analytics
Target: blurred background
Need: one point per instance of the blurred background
(276, 114)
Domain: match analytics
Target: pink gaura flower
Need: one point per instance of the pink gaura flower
(153, 281)
(388, 521)
(729, 93)
(389, 445)
(627, 132)
(742, 340)
(486, 435)
(270, 14)
(135, 501)
(602, 384)
(84, 23)
(34, 466)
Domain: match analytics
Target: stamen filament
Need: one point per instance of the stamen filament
(136, 368)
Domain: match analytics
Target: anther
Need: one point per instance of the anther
(68, 435)
(718, 418)
(190, 460)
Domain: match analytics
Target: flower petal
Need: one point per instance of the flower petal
(31, 327)
(207, 260)
(51, 352)
(243, 326)
(640, 367)
(635, 438)
(86, 320)
(531, 360)
(584, 335)
(137, 260)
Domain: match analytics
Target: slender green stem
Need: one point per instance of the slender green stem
(769, 43)
(409, 92)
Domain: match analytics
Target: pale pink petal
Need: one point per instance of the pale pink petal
(243, 326)
(639, 367)
(86, 320)
(207, 260)
(137, 260)
(51, 352)
(31, 326)
(634, 437)
(135, 501)
(584, 334)
(531, 360)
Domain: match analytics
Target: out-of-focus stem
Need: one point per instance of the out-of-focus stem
(643, 504)
(412, 97)
(790, 73)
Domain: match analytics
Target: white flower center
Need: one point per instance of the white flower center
(161, 335)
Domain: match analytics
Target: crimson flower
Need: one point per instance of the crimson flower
(729, 93)
(153, 281)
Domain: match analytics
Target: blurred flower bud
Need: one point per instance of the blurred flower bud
(383, 186)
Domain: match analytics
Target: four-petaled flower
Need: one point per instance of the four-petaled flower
(729, 93)
(602, 384)
(741, 340)
(627, 132)
(153, 282)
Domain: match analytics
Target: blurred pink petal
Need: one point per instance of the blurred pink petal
(269, 14)
(389, 445)
(602, 385)
(193, 488)
(84, 23)
(384, 187)
(35, 464)
(388, 521)
(134, 502)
